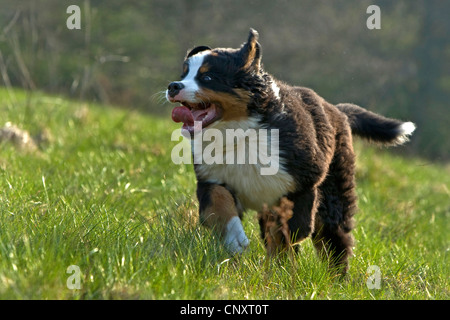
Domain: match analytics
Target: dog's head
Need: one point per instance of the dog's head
(216, 84)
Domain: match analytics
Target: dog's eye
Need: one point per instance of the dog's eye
(206, 78)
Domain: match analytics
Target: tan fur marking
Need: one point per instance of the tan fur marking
(251, 56)
(221, 210)
(204, 68)
(234, 108)
(273, 222)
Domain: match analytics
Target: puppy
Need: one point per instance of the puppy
(225, 91)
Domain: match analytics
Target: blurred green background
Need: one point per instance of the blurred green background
(126, 52)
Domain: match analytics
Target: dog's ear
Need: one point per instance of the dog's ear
(251, 52)
(196, 50)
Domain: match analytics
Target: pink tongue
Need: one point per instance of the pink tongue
(182, 114)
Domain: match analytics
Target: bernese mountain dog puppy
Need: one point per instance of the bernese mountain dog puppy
(312, 191)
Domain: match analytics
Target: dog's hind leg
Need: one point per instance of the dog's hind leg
(333, 244)
(305, 207)
(274, 227)
(334, 222)
(220, 210)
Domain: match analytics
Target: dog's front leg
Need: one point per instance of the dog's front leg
(219, 210)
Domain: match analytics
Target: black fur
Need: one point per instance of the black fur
(370, 125)
(196, 50)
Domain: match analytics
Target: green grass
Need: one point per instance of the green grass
(103, 194)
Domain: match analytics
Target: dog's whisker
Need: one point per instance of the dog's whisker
(159, 97)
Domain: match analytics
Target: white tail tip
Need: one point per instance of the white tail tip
(406, 129)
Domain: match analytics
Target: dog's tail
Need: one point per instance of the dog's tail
(376, 128)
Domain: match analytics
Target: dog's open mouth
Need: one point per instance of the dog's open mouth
(196, 113)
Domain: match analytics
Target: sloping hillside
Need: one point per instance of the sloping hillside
(94, 187)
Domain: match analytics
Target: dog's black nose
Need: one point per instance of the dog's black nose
(175, 88)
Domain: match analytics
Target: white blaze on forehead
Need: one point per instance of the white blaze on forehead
(195, 62)
(190, 85)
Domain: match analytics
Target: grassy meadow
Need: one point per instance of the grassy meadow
(98, 190)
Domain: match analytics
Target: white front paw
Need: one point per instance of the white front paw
(235, 238)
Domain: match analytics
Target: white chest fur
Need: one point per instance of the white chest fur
(251, 186)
